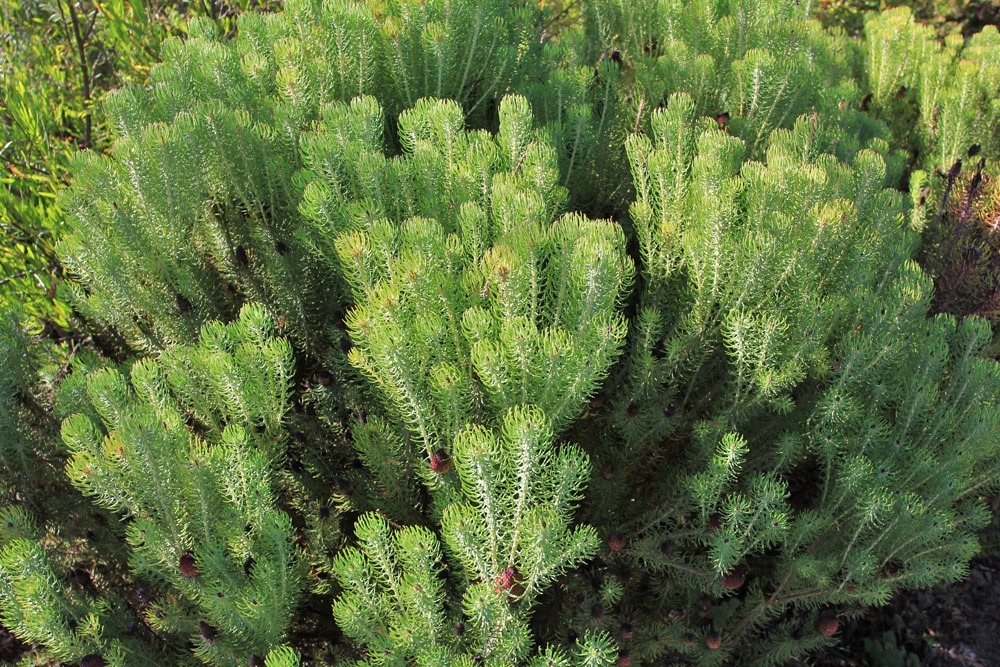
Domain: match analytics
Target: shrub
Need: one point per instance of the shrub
(947, 92)
(380, 386)
(59, 60)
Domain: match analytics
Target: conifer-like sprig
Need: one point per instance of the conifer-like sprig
(941, 98)
(205, 164)
(200, 506)
(779, 433)
(64, 623)
(507, 541)
(520, 493)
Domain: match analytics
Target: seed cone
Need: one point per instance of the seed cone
(440, 462)
(510, 581)
(735, 578)
(187, 564)
(828, 626)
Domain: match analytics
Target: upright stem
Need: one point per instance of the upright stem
(84, 73)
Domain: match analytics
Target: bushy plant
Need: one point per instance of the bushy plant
(57, 62)
(966, 16)
(944, 98)
(379, 385)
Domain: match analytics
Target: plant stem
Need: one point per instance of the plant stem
(84, 75)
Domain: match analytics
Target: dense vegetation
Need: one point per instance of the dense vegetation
(461, 333)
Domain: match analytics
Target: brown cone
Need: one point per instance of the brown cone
(511, 581)
(440, 462)
(187, 564)
(828, 626)
(735, 578)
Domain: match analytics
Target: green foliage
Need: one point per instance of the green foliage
(812, 342)
(945, 15)
(948, 91)
(205, 502)
(32, 462)
(508, 536)
(57, 62)
(225, 110)
(489, 285)
(355, 300)
(35, 609)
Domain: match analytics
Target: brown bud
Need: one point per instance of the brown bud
(616, 542)
(608, 472)
(955, 170)
(628, 631)
(208, 633)
(187, 564)
(510, 581)
(93, 660)
(976, 181)
(624, 659)
(440, 462)
(689, 639)
(735, 578)
(713, 641)
(828, 626)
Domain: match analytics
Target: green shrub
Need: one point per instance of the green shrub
(57, 62)
(944, 99)
(383, 387)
